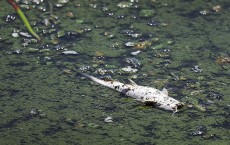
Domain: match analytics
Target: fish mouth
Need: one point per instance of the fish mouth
(177, 107)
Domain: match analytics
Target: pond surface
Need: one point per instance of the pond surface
(179, 45)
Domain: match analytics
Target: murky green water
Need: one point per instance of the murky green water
(184, 47)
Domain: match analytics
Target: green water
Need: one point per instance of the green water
(44, 100)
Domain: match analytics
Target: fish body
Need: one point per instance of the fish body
(147, 95)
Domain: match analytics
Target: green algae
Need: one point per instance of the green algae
(27, 82)
(146, 13)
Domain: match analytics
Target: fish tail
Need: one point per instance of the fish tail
(86, 75)
(102, 82)
(111, 84)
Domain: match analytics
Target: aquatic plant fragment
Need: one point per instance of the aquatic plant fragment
(24, 19)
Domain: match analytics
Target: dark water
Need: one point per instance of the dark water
(184, 47)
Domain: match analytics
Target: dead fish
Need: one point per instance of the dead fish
(144, 94)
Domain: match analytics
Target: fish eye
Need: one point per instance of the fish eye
(147, 98)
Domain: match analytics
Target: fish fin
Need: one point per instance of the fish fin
(165, 91)
(132, 82)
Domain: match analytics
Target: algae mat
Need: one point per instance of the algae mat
(180, 45)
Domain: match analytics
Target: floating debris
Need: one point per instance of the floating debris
(70, 36)
(142, 45)
(223, 60)
(215, 95)
(130, 44)
(15, 34)
(153, 23)
(34, 112)
(67, 71)
(24, 19)
(204, 12)
(102, 71)
(109, 35)
(121, 16)
(67, 52)
(10, 18)
(61, 3)
(135, 52)
(115, 45)
(130, 33)
(47, 58)
(170, 42)
(124, 4)
(70, 14)
(135, 35)
(47, 22)
(17, 51)
(42, 8)
(85, 68)
(199, 131)
(30, 40)
(196, 69)
(59, 47)
(37, 2)
(108, 119)
(217, 8)
(25, 34)
(127, 32)
(129, 69)
(133, 61)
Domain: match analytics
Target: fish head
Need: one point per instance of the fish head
(171, 105)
